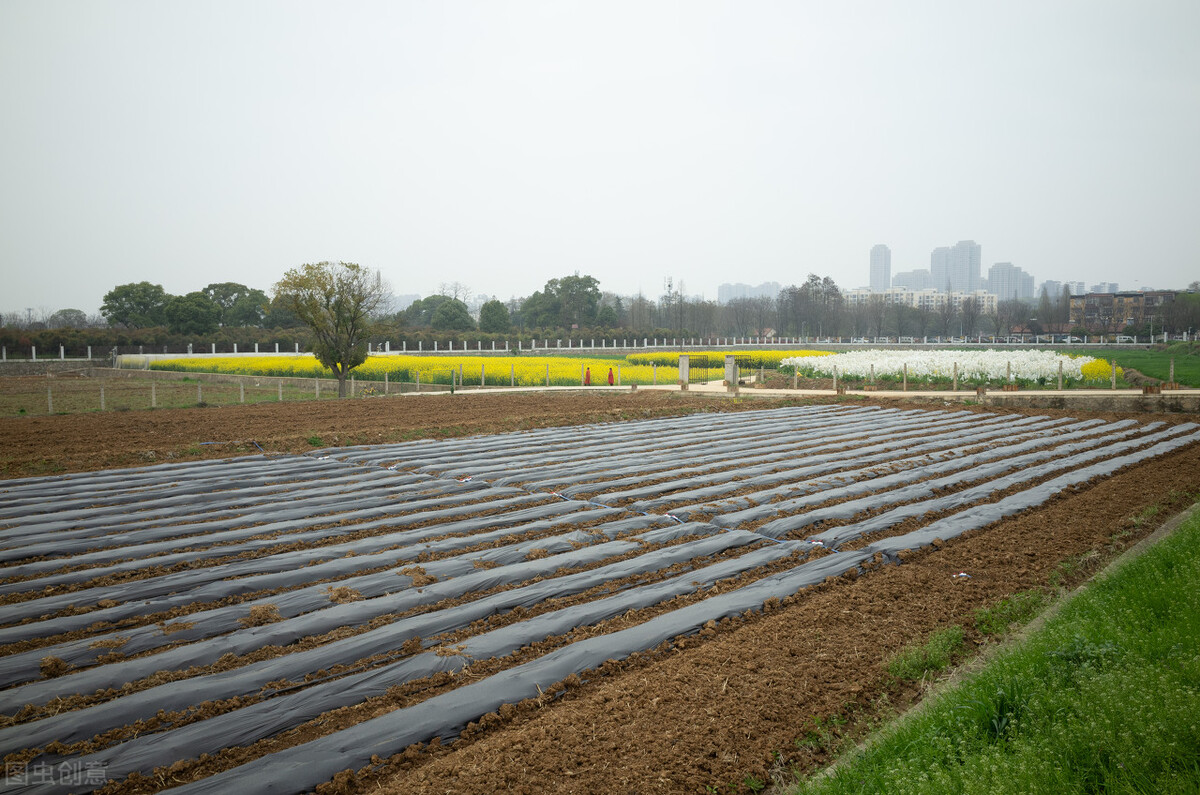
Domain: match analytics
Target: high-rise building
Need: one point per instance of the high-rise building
(727, 292)
(1077, 288)
(965, 263)
(956, 268)
(1025, 287)
(881, 268)
(1105, 287)
(919, 279)
(939, 268)
(1052, 288)
(1008, 282)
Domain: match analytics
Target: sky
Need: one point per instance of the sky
(500, 144)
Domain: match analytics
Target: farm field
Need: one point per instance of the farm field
(641, 602)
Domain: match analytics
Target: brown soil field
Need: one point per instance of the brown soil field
(42, 445)
(746, 703)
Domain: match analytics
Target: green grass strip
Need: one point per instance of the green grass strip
(1155, 363)
(1104, 697)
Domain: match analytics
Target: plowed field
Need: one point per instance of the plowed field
(571, 592)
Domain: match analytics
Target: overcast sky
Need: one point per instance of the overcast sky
(500, 144)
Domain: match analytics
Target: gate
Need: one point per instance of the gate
(699, 365)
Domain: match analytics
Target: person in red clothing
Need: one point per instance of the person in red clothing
(610, 378)
(587, 377)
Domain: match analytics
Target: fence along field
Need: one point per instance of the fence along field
(153, 615)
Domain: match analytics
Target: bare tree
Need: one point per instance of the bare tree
(456, 290)
(738, 314)
(762, 309)
(969, 315)
(946, 314)
(899, 317)
(876, 310)
(1010, 313)
(641, 313)
(923, 317)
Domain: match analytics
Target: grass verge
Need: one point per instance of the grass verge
(1104, 697)
(1155, 363)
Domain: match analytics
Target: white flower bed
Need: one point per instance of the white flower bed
(922, 364)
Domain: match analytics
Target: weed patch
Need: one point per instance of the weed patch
(1016, 609)
(916, 662)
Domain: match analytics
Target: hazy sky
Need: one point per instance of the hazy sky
(500, 144)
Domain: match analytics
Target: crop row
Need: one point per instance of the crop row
(154, 615)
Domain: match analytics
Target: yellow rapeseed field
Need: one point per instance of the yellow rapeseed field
(464, 370)
(1100, 370)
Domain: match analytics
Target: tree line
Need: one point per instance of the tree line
(575, 306)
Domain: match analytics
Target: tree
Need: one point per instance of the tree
(279, 316)
(493, 318)
(419, 313)
(452, 315)
(1046, 311)
(1010, 312)
(608, 316)
(739, 312)
(641, 310)
(194, 313)
(240, 305)
(923, 316)
(67, 318)
(542, 309)
(612, 312)
(1063, 308)
(945, 315)
(762, 308)
(338, 301)
(899, 316)
(563, 303)
(135, 305)
(969, 314)
(579, 299)
(455, 290)
(248, 310)
(876, 309)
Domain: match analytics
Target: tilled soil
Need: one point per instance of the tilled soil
(744, 702)
(43, 445)
(726, 710)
